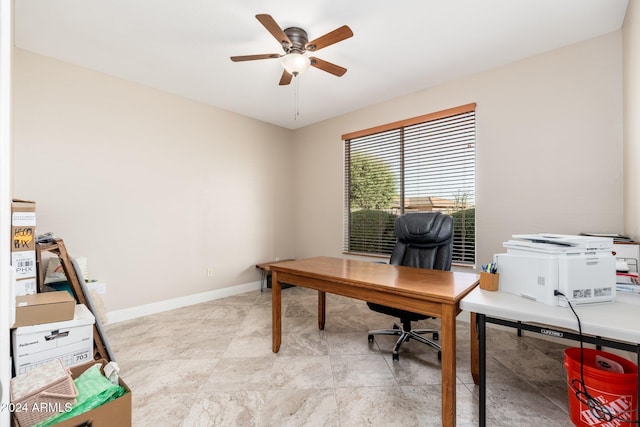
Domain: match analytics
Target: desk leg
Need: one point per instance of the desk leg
(322, 303)
(473, 332)
(482, 362)
(448, 367)
(276, 312)
(263, 280)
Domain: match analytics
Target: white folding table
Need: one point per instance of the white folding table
(613, 325)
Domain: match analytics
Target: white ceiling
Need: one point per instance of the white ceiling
(183, 47)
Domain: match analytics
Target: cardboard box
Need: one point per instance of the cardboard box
(23, 245)
(45, 307)
(23, 238)
(70, 341)
(114, 413)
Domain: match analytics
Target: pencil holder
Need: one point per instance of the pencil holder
(489, 281)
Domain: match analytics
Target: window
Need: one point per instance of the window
(422, 164)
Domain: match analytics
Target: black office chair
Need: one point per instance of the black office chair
(424, 241)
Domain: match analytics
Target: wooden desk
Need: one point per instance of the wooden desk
(615, 321)
(431, 292)
(265, 271)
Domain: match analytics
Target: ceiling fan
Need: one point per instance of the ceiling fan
(295, 43)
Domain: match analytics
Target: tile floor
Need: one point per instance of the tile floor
(211, 365)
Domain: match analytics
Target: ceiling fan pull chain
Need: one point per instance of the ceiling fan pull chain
(296, 102)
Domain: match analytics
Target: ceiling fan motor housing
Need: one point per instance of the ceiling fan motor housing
(298, 38)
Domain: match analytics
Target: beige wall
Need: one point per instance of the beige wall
(152, 188)
(631, 64)
(549, 149)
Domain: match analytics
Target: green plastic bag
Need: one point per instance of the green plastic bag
(93, 390)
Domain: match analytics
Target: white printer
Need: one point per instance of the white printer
(582, 268)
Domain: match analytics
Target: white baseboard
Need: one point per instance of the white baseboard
(160, 306)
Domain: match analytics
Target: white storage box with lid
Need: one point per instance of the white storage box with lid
(71, 341)
(41, 393)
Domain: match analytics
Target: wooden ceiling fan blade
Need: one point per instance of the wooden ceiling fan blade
(328, 39)
(272, 26)
(285, 79)
(254, 57)
(334, 69)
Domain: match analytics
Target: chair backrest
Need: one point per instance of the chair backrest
(425, 240)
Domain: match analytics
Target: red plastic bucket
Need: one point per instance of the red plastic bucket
(616, 392)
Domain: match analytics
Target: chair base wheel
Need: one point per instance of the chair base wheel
(370, 338)
(439, 356)
(436, 336)
(395, 356)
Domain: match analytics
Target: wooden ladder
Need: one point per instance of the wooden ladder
(58, 248)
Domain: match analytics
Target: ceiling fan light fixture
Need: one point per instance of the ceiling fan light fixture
(295, 63)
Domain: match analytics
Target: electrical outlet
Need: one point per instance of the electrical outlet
(209, 272)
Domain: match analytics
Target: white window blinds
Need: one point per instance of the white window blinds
(422, 164)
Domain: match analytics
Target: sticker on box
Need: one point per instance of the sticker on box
(23, 238)
(24, 264)
(26, 286)
(23, 219)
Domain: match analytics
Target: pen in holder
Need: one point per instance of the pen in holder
(489, 281)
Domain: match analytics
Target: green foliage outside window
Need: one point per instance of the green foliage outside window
(372, 232)
(372, 184)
